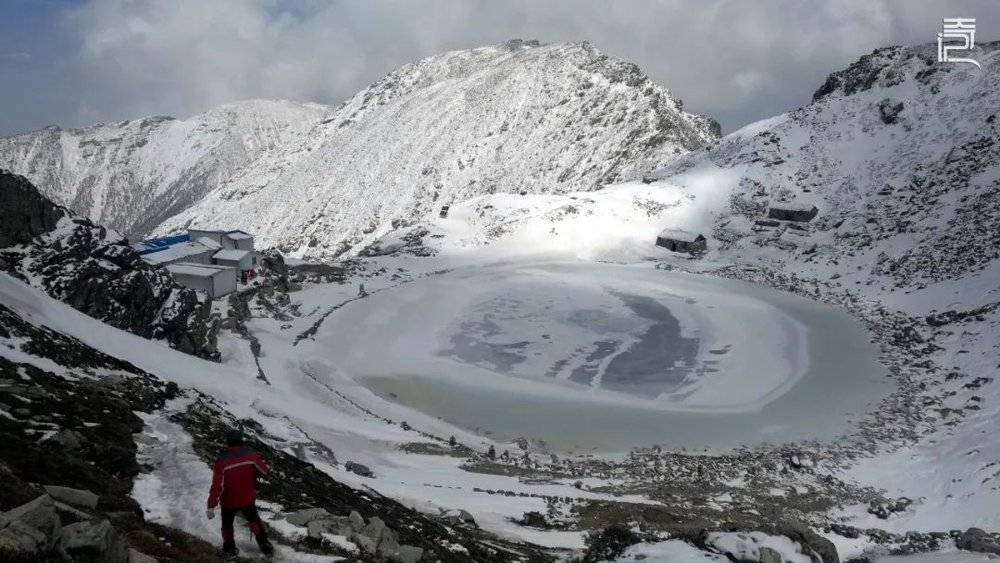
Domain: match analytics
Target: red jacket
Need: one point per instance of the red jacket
(234, 478)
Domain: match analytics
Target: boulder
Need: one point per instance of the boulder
(39, 514)
(389, 544)
(407, 554)
(816, 547)
(334, 525)
(305, 516)
(69, 439)
(359, 469)
(75, 497)
(768, 555)
(356, 520)
(93, 541)
(364, 543)
(459, 516)
(374, 529)
(975, 539)
(534, 519)
(26, 212)
(139, 557)
(316, 529)
(19, 538)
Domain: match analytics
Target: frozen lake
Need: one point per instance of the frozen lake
(600, 357)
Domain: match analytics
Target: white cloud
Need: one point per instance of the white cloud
(736, 60)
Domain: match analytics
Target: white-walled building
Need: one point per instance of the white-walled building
(216, 281)
(240, 260)
(218, 250)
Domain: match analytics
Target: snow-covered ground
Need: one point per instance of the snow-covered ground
(296, 408)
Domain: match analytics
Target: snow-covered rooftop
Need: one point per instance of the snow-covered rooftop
(210, 243)
(192, 269)
(238, 235)
(679, 234)
(231, 254)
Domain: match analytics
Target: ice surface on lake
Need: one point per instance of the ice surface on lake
(587, 356)
(635, 346)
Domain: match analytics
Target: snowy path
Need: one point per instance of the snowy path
(174, 492)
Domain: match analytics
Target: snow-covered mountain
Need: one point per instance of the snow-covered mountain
(900, 154)
(516, 117)
(132, 175)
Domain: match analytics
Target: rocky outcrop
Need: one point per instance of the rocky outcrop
(359, 469)
(976, 539)
(373, 539)
(84, 511)
(95, 271)
(25, 215)
(875, 68)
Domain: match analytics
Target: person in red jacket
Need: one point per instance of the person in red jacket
(234, 486)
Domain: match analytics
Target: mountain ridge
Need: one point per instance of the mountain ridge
(320, 181)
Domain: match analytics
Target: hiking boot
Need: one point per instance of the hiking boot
(230, 549)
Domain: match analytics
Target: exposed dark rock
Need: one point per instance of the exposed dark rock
(359, 469)
(26, 214)
(870, 69)
(93, 541)
(534, 519)
(96, 271)
(889, 110)
(975, 539)
(273, 263)
(609, 543)
(103, 459)
(75, 497)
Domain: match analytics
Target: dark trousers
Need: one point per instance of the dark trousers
(248, 512)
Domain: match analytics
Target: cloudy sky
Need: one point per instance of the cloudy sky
(76, 62)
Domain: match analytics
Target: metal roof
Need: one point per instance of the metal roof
(192, 269)
(157, 244)
(231, 254)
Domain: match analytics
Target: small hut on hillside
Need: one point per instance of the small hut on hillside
(792, 211)
(678, 240)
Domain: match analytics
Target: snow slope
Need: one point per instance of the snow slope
(299, 406)
(901, 155)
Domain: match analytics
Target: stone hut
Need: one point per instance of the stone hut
(792, 211)
(677, 240)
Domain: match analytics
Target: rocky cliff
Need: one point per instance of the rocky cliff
(95, 271)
